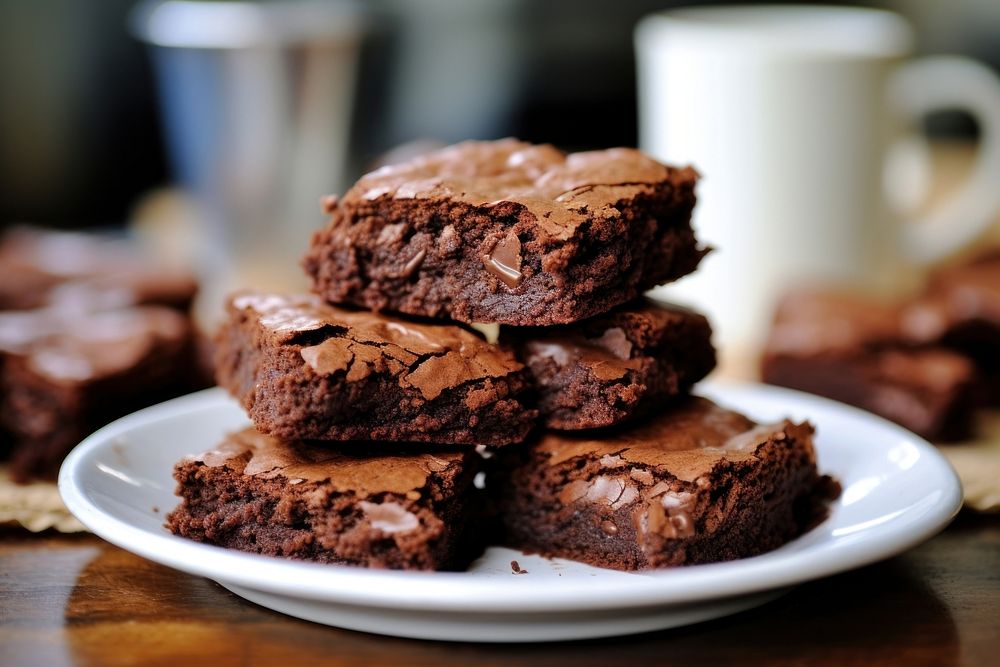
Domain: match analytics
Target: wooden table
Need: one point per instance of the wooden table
(76, 600)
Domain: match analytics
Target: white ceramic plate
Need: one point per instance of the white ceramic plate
(898, 491)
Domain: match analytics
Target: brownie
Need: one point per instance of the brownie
(853, 349)
(507, 232)
(696, 484)
(65, 374)
(307, 370)
(84, 272)
(613, 367)
(960, 309)
(392, 509)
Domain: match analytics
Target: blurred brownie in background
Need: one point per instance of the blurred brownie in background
(852, 349)
(64, 375)
(43, 268)
(91, 328)
(960, 309)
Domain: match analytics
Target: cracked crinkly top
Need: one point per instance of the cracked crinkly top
(308, 370)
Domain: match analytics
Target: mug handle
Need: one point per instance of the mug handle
(939, 83)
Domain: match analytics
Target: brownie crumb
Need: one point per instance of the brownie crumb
(516, 568)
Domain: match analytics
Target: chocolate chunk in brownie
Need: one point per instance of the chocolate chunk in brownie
(63, 375)
(612, 367)
(397, 510)
(695, 484)
(84, 272)
(307, 370)
(852, 349)
(507, 232)
(960, 309)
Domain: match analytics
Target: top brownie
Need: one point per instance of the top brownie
(507, 232)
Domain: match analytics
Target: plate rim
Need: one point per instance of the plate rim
(458, 592)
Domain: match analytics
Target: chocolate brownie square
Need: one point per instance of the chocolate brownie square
(85, 272)
(960, 309)
(507, 232)
(392, 509)
(614, 367)
(306, 370)
(64, 374)
(695, 484)
(852, 349)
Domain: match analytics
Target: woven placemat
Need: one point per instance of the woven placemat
(36, 506)
(977, 463)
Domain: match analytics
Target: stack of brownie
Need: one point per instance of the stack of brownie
(926, 363)
(90, 330)
(518, 346)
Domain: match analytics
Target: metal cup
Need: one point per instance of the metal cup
(256, 103)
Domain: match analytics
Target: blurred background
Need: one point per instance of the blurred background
(83, 139)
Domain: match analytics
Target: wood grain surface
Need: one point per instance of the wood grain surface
(76, 600)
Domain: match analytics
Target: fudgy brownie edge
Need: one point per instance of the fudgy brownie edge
(307, 370)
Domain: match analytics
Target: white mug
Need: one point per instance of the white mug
(792, 115)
